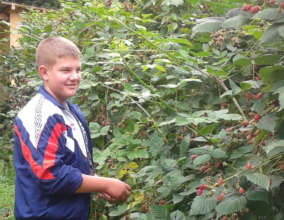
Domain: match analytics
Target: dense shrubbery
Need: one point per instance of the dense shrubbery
(185, 107)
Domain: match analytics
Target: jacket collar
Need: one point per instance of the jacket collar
(47, 95)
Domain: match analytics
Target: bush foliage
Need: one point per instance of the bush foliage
(183, 98)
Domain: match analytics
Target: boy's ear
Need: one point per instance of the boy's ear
(42, 69)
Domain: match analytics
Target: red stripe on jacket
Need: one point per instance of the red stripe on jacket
(43, 171)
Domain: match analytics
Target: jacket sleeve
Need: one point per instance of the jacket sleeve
(44, 162)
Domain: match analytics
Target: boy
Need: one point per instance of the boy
(52, 146)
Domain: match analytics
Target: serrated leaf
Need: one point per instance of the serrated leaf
(218, 154)
(207, 130)
(177, 215)
(159, 212)
(202, 205)
(207, 27)
(269, 14)
(231, 205)
(235, 89)
(271, 74)
(172, 2)
(258, 196)
(280, 91)
(259, 179)
(267, 122)
(267, 59)
(270, 35)
(245, 85)
(201, 159)
(240, 60)
(235, 22)
(281, 31)
(118, 211)
(155, 144)
(137, 154)
(274, 147)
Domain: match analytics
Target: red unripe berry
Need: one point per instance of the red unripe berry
(228, 129)
(254, 9)
(246, 7)
(127, 217)
(220, 181)
(245, 123)
(224, 218)
(224, 105)
(258, 95)
(248, 137)
(220, 197)
(199, 192)
(207, 171)
(257, 77)
(193, 156)
(281, 5)
(248, 166)
(251, 114)
(248, 95)
(217, 164)
(202, 168)
(181, 137)
(143, 208)
(162, 202)
(241, 190)
(271, 2)
(256, 117)
(202, 187)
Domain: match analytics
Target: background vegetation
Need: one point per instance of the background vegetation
(183, 98)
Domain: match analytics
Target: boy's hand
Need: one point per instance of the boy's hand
(116, 191)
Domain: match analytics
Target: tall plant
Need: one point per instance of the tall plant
(184, 106)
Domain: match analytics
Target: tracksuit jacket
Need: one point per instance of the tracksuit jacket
(49, 162)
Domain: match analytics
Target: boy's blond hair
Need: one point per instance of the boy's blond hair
(52, 48)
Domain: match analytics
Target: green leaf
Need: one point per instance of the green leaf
(271, 74)
(218, 154)
(118, 211)
(267, 59)
(280, 92)
(240, 60)
(235, 22)
(259, 179)
(173, 2)
(269, 14)
(202, 205)
(201, 159)
(177, 215)
(181, 41)
(257, 195)
(235, 89)
(270, 35)
(96, 130)
(155, 144)
(230, 205)
(274, 147)
(137, 154)
(267, 122)
(245, 85)
(159, 212)
(207, 27)
(207, 130)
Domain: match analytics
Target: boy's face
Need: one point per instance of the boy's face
(62, 79)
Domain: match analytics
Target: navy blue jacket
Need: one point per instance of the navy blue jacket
(49, 162)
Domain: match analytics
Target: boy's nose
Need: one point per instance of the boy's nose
(75, 76)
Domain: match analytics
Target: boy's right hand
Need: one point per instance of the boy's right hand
(116, 191)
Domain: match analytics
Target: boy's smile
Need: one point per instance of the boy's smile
(63, 78)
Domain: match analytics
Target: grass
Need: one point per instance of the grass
(6, 191)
